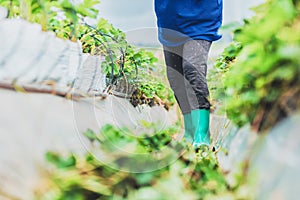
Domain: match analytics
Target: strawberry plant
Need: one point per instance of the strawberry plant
(124, 64)
(260, 71)
(189, 177)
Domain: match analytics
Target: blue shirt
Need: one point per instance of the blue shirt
(182, 20)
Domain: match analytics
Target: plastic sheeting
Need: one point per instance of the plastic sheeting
(33, 124)
(274, 164)
(29, 56)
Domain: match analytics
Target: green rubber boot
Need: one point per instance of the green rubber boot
(188, 128)
(200, 118)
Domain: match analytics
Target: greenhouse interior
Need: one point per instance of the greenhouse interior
(89, 109)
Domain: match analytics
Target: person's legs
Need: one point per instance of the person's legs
(195, 54)
(173, 59)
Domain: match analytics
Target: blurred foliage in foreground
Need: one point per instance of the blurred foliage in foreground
(188, 177)
(260, 71)
(128, 69)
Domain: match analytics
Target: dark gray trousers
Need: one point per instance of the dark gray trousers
(186, 71)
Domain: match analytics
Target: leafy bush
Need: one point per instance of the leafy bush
(124, 64)
(261, 70)
(189, 177)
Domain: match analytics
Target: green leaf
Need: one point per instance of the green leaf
(59, 161)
